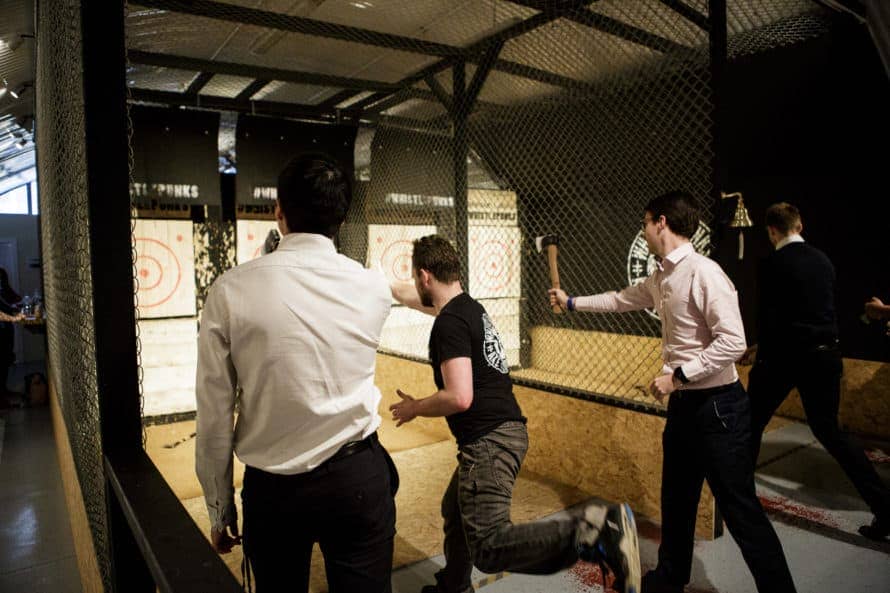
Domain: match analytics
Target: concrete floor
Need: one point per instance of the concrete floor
(812, 505)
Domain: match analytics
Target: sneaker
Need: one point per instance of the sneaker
(878, 530)
(617, 547)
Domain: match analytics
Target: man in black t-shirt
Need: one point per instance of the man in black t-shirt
(797, 346)
(475, 395)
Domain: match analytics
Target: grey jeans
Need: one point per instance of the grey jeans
(476, 509)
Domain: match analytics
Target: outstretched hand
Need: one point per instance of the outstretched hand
(403, 411)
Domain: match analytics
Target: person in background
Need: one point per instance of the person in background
(797, 346)
(9, 314)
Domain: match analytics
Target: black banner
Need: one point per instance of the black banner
(175, 157)
(410, 171)
(265, 145)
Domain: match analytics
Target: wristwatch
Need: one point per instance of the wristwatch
(680, 376)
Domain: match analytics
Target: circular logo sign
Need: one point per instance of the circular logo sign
(641, 263)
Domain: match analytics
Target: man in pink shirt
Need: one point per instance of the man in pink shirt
(707, 435)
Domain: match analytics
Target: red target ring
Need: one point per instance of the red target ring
(145, 262)
(494, 271)
(397, 258)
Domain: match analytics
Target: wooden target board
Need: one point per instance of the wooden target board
(390, 248)
(494, 262)
(165, 268)
(169, 365)
(250, 236)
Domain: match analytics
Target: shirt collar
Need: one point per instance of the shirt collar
(675, 257)
(792, 238)
(306, 241)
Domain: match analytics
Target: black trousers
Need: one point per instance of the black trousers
(346, 505)
(707, 437)
(817, 376)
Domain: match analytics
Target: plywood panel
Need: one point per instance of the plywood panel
(165, 268)
(250, 236)
(864, 408)
(90, 575)
(390, 248)
(407, 331)
(169, 364)
(494, 254)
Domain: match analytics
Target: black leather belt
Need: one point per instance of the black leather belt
(353, 447)
(707, 391)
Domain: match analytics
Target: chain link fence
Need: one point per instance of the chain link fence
(495, 122)
(489, 122)
(65, 244)
(579, 121)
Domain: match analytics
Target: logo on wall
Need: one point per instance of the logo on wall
(641, 263)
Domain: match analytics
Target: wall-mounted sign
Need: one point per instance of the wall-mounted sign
(175, 157)
(265, 145)
(489, 207)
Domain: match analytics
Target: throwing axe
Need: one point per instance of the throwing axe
(551, 244)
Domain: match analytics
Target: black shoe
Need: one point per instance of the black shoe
(878, 530)
(430, 589)
(617, 547)
(653, 583)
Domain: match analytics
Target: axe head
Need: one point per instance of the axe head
(271, 242)
(545, 240)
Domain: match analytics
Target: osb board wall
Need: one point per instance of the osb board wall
(413, 378)
(90, 577)
(865, 407)
(612, 453)
(599, 362)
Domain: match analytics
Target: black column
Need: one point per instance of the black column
(112, 266)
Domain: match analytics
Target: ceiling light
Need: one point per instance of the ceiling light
(362, 4)
(22, 143)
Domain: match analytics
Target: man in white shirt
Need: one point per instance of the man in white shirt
(295, 333)
(707, 435)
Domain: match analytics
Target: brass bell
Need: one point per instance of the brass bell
(740, 218)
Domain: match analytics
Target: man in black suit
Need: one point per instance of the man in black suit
(798, 347)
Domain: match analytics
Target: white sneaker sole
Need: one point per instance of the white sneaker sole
(630, 550)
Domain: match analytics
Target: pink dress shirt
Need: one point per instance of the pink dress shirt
(701, 326)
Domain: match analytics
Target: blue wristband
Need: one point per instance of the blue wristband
(570, 304)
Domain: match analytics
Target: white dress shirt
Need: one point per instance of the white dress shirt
(297, 331)
(787, 239)
(701, 326)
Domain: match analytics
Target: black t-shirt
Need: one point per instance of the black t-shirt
(463, 329)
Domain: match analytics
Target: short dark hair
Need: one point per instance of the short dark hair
(437, 256)
(314, 192)
(784, 217)
(679, 209)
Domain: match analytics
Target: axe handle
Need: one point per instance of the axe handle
(552, 252)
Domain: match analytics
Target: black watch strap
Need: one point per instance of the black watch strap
(680, 375)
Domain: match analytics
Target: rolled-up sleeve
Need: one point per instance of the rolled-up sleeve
(718, 301)
(632, 298)
(215, 387)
